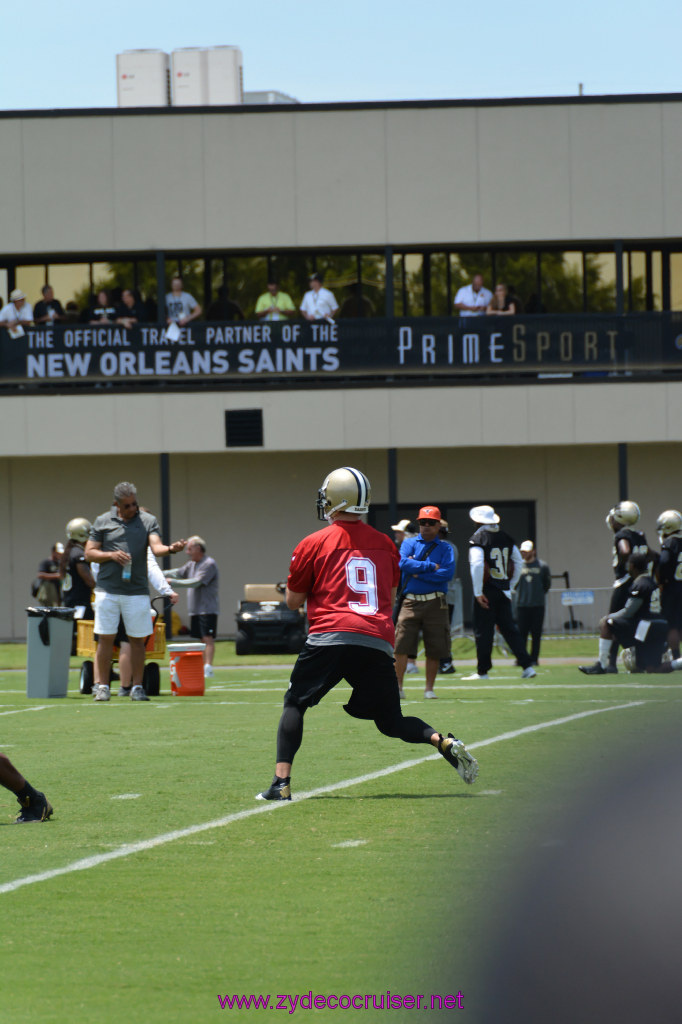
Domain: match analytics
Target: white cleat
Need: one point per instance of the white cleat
(529, 673)
(456, 754)
(102, 693)
(474, 676)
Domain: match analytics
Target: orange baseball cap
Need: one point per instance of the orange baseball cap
(429, 512)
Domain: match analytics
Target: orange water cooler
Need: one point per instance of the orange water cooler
(187, 669)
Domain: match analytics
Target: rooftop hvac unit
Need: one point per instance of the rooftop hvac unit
(142, 78)
(207, 76)
(189, 78)
(225, 76)
(270, 97)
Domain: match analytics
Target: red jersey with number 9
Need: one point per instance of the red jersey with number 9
(348, 571)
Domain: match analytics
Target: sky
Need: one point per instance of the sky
(359, 50)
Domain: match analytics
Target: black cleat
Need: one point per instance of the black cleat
(593, 670)
(612, 670)
(37, 808)
(279, 790)
(447, 668)
(456, 754)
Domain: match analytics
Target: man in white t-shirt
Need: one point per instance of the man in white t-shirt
(319, 303)
(17, 313)
(181, 307)
(473, 299)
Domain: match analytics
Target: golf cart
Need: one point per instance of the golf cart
(265, 623)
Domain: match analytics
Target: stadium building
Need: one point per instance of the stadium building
(552, 415)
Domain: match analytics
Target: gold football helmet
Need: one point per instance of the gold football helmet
(78, 530)
(668, 523)
(344, 490)
(625, 513)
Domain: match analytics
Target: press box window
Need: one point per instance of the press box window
(244, 428)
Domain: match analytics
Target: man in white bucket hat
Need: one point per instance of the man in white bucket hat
(17, 313)
(496, 563)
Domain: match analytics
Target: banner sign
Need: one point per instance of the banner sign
(414, 347)
(570, 598)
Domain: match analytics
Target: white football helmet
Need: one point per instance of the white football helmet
(628, 659)
(625, 513)
(344, 490)
(668, 523)
(485, 515)
(78, 530)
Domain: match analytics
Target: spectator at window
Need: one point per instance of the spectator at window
(48, 310)
(223, 308)
(17, 314)
(319, 303)
(503, 303)
(71, 312)
(101, 311)
(274, 304)
(181, 307)
(473, 299)
(130, 310)
(356, 304)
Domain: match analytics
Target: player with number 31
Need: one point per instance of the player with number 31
(348, 574)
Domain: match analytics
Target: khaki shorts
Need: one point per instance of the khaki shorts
(429, 618)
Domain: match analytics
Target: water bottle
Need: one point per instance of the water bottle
(127, 567)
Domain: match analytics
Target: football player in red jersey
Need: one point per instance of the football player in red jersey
(348, 574)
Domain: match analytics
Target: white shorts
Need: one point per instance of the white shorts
(135, 609)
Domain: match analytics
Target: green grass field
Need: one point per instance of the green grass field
(161, 885)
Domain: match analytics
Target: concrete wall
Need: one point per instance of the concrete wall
(252, 507)
(461, 174)
(352, 419)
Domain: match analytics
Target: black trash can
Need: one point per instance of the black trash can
(49, 635)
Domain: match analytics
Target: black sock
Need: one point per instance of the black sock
(26, 794)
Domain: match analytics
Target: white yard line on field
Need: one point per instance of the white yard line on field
(38, 707)
(262, 808)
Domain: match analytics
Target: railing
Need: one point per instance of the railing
(576, 619)
(424, 348)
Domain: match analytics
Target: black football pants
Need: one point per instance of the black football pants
(485, 619)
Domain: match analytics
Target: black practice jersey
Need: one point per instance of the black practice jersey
(645, 589)
(75, 591)
(670, 561)
(497, 556)
(638, 546)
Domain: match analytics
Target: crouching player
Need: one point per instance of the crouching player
(348, 573)
(639, 624)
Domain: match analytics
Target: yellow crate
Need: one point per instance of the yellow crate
(86, 644)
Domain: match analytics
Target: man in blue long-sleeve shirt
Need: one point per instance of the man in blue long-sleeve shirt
(427, 563)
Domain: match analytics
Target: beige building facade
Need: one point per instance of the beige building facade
(104, 183)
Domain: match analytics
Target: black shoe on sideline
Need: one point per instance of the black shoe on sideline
(593, 670)
(279, 790)
(38, 809)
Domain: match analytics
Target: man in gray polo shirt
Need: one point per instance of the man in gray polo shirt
(118, 541)
(201, 573)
